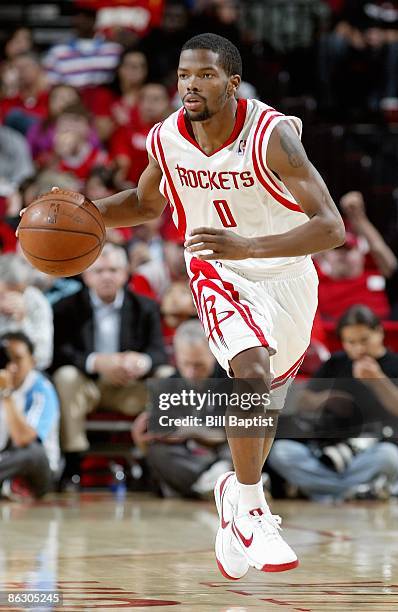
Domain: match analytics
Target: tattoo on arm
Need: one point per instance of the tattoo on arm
(294, 150)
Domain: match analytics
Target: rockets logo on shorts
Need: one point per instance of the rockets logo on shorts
(214, 320)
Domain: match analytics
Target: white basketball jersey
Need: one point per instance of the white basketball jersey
(233, 187)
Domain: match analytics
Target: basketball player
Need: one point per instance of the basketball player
(252, 208)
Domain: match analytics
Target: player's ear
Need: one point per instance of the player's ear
(234, 82)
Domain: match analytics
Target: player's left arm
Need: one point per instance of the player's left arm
(323, 230)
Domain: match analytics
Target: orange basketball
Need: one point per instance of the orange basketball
(61, 233)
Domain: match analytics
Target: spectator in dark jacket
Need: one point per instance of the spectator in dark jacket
(107, 340)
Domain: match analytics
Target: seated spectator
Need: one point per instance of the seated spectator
(119, 110)
(128, 144)
(30, 104)
(87, 59)
(139, 254)
(351, 392)
(343, 277)
(8, 240)
(24, 308)
(29, 421)
(145, 247)
(149, 233)
(74, 152)
(56, 288)
(15, 165)
(40, 135)
(153, 277)
(176, 307)
(353, 207)
(32, 187)
(187, 461)
(43, 182)
(19, 40)
(100, 183)
(107, 340)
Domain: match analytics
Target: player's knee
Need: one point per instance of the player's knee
(253, 370)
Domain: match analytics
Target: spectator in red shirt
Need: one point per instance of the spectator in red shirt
(344, 279)
(8, 241)
(117, 108)
(146, 255)
(73, 151)
(152, 276)
(176, 307)
(128, 143)
(31, 102)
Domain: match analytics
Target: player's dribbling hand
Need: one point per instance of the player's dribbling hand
(209, 243)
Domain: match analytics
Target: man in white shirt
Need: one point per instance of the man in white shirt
(29, 420)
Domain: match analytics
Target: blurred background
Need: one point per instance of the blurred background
(81, 85)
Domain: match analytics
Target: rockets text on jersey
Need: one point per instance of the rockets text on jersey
(231, 188)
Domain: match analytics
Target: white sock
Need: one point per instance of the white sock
(250, 497)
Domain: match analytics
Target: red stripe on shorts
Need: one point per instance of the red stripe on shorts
(291, 372)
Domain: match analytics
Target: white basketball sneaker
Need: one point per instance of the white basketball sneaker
(256, 535)
(231, 562)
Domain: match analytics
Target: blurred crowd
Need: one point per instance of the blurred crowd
(76, 115)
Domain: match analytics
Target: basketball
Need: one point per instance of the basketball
(61, 233)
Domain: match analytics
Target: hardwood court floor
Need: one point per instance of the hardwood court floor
(142, 552)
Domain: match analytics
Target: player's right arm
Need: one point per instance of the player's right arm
(135, 206)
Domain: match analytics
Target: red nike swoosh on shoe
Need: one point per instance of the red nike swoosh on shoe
(224, 523)
(245, 541)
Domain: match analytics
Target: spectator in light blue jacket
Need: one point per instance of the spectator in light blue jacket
(29, 420)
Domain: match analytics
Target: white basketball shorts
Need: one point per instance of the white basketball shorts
(276, 312)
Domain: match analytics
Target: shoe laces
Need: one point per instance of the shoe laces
(270, 524)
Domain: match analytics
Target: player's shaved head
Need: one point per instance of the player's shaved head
(228, 55)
